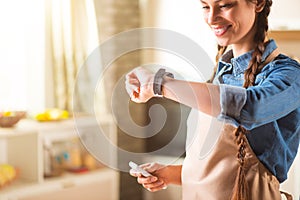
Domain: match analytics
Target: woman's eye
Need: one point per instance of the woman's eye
(205, 7)
(228, 5)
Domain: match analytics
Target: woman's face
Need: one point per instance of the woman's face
(232, 21)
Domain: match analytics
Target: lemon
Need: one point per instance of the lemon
(7, 113)
(8, 172)
(41, 117)
(64, 114)
(3, 179)
(52, 114)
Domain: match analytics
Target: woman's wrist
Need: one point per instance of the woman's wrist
(174, 172)
(159, 80)
(164, 87)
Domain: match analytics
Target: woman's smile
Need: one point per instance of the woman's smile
(232, 22)
(220, 30)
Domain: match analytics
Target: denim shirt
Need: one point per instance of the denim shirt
(270, 109)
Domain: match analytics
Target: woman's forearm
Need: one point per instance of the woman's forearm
(202, 96)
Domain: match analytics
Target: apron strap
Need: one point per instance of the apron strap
(270, 58)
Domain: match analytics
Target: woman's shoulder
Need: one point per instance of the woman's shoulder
(282, 66)
(284, 60)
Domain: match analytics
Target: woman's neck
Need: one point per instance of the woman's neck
(240, 49)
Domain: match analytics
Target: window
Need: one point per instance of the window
(22, 52)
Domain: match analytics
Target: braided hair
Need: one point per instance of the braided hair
(221, 51)
(262, 27)
(254, 67)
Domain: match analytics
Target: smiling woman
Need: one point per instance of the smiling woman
(246, 91)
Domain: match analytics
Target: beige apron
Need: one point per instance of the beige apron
(212, 177)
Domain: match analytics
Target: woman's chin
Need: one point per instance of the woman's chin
(223, 43)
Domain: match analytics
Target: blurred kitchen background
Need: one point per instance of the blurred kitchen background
(44, 44)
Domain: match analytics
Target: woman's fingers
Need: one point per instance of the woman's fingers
(147, 180)
(135, 173)
(146, 165)
(152, 167)
(155, 186)
(132, 89)
(132, 86)
(139, 85)
(152, 183)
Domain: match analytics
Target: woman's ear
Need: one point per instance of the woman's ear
(260, 4)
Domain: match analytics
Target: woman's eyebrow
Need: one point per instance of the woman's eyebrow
(215, 1)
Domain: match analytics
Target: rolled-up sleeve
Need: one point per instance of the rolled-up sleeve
(275, 97)
(232, 100)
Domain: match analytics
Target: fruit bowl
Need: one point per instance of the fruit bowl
(11, 118)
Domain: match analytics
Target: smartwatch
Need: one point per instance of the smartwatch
(159, 81)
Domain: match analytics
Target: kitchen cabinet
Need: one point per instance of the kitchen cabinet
(290, 35)
(288, 41)
(23, 146)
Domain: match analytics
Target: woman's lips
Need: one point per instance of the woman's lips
(220, 30)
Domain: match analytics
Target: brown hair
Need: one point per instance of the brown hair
(254, 67)
(221, 51)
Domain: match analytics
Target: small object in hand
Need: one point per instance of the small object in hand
(138, 169)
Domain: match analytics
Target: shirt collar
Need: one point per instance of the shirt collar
(241, 62)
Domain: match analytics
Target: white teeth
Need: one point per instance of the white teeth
(219, 31)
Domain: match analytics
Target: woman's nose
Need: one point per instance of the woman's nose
(212, 16)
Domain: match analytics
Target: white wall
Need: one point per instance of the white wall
(183, 17)
(3, 157)
(285, 14)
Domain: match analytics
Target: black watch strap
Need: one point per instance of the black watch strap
(158, 81)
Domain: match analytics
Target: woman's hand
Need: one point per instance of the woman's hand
(139, 85)
(162, 176)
